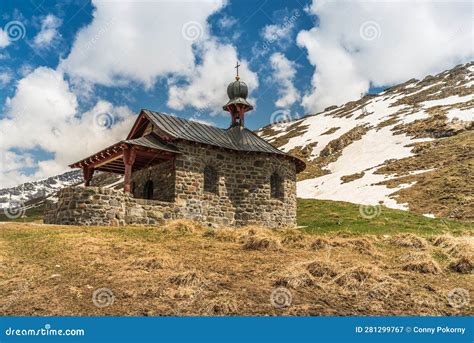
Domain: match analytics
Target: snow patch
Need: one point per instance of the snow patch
(462, 115)
(451, 100)
(364, 155)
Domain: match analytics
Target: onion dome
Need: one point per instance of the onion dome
(237, 104)
(237, 92)
(237, 89)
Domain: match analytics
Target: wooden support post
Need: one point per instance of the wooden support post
(129, 155)
(241, 115)
(88, 172)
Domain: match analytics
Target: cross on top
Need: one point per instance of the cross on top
(237, 67)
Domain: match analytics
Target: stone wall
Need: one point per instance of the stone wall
(242, 197)
(102, 206)
(163, 177)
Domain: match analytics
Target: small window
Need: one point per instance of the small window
(276, 186)
(148, 190)
(210, 180)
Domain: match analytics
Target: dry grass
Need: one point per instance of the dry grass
(293, 238)
(187, 270)
(422, 266)
(461, 249)
(223, 305)
(294, 277)
(322, 269)
(223, 234)
(320, 243)
(260, 242)
(443, 241)
(464, 265)
(409, 240)
(190, 278)
(358, 276)
(363, 245)
(413, 256)
(183, 226)
(255, 238)
(445, 191)
(150, 263)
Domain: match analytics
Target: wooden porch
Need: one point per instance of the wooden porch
(126, 157)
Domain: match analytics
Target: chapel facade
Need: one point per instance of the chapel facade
(175, 168)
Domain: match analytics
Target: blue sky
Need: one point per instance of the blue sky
(74, 73)
(251, 17)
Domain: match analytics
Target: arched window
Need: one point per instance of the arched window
(210, 179)
(276, 186)
(148, 190)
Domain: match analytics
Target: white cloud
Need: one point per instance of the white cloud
(206, 87)
(10, 168)
(125, 42)
(49, 31)
(274, 32)
(4, 41)
(129, 41)
(284, 72)
(5, 78)
(227, 22)
(44, 114)
(383, 43)
(281, 33)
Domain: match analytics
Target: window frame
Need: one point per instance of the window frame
(277, 189)
(210, 175)
(147, 188)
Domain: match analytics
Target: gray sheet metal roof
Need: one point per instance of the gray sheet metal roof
(234, 138)
(151, 141)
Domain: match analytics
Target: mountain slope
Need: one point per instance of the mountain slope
(409, 147)
(32, 192)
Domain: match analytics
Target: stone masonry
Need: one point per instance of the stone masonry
(242, 197)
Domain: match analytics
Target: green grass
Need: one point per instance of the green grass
(31, 215)
(319, 216)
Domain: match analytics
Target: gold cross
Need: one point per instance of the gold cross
(237, 67)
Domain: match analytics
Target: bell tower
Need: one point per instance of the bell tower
(237, 104)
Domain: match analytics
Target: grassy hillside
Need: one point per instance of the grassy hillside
(339, 264)
(34, 214)
(321, 216)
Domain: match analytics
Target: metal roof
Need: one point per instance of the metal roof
(151, 141)
(234, 138)
(148, 141)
